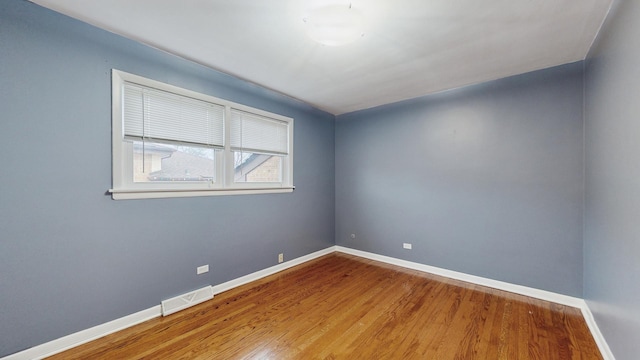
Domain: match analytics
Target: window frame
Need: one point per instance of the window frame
(123, 185)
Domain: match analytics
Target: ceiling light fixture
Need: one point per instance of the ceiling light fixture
(334, 23)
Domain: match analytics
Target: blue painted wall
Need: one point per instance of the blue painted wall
(70, 256)
(485, 180)
(612, 200)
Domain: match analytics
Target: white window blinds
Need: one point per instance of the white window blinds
(160, 115)
(259, 134)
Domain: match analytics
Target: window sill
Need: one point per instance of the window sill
(121, 194)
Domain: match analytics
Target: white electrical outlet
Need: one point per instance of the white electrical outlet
(406, 246)
(280, 258)
(202, 269)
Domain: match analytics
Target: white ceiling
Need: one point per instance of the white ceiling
(410, 48)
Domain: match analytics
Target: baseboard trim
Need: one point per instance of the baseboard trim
(217, 289)
(605, 350)
(84, 336)
(500, 285)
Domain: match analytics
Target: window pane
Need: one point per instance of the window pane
(255, 167)
(154, 162)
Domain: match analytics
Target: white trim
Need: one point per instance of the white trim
(217, 289)
(157, 194)
(595, 332)
(500, 285)
(125, 188)
(84, 336)
(81, 337)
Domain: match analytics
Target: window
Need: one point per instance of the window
(170, 142)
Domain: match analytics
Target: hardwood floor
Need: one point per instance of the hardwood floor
(344, 307)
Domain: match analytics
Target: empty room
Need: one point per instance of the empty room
(320, 179)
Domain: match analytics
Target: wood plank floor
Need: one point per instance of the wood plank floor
(344, 307)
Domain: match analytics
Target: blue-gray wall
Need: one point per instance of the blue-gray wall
(612, 196)
(485, 180)
(70, 256)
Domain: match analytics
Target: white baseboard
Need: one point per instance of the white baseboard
(84, 336)
(67, 342)
(500, 285)
(595, 332)
(217, 289)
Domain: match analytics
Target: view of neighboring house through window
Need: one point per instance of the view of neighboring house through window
(258, 144)
(254, 167)
(164, 162)
(168, 141)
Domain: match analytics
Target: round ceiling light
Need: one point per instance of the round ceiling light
(334, 23)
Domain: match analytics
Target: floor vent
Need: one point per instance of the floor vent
(184, 301)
